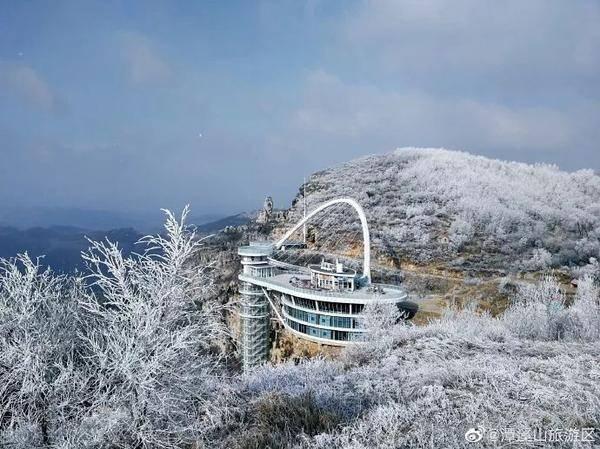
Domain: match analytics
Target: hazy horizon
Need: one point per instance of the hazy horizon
(132, 107)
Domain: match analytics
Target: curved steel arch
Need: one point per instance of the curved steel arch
(363, 221)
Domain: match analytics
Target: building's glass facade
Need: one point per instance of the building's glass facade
(334, 307)
(320, 319)
(324, 320)
(327, 334)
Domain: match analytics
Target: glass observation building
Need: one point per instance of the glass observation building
(321, 303)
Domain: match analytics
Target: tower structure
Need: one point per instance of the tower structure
(254, 307)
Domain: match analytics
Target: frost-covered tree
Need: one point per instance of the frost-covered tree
(128, 358)
(152, 335)
(591, 270)
(41, 382)
(381, 321)
(585, 311)
(540, 260)
(460, 233)
(539, 311)
(379, 317)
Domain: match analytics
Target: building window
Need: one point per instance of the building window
(339, 335)
(324, 320)
(335, 307)
(305, 303)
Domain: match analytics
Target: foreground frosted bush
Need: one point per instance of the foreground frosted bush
(540, 312)
(127, 357)
(39, 348)
(584, 314)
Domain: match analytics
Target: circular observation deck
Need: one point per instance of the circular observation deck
(325, 316)
(256, 250)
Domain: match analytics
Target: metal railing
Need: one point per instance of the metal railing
(289, 266)
(323, 292)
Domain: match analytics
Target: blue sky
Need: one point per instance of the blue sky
(133, 106)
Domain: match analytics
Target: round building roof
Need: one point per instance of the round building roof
(255, 250)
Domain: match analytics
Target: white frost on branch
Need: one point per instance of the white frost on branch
(131, 358)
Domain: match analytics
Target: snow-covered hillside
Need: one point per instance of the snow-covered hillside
(138, 359)
(435, 204)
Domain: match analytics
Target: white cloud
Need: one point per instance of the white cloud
(473, 36)
(346, 113)
(26, 84)
(510, 79)
(145, 65)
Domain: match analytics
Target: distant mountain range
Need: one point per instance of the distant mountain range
(145, 222)
(232, 220)
(61, 246)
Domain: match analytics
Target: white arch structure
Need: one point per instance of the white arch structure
(363, 221)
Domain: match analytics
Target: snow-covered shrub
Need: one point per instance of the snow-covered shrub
(128, 358)
(592, 270)
(40, 382)
(22, 435)
(589, 244)
(585, 311)
(538, 311)
(540, 260)
(460, 233)
(379, 317)
(276, 420)
(467, 322)
(380, 320)
(323, 379)
(507, 286)
(151, 335)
